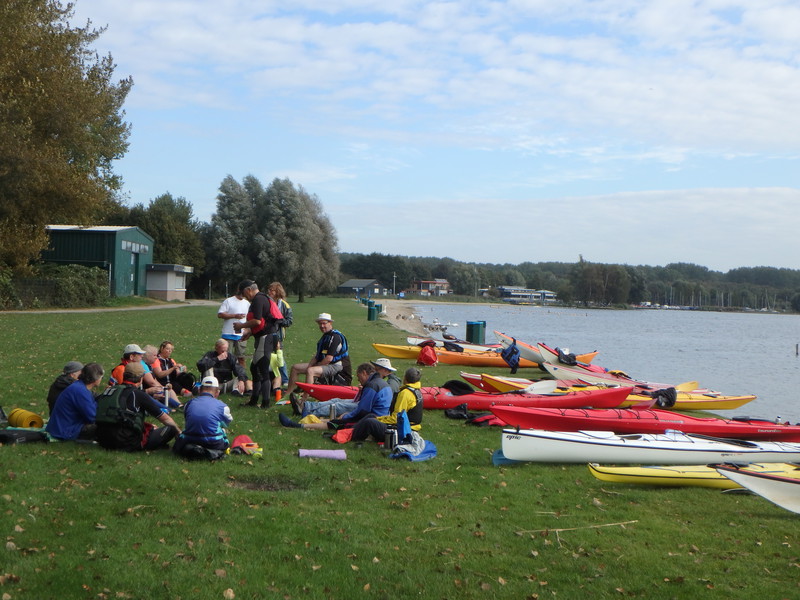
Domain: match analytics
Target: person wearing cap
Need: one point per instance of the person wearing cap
(330, 362)
(72, 370)
(409, 399)
(75, 409)
(234, 310)
(263, 318)
(385, 369)
(131, 352)
(207, 417)
(374, 398)
(124, 435)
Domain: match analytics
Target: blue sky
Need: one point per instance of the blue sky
(625, 131)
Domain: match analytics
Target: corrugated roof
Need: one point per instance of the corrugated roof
(91, 228)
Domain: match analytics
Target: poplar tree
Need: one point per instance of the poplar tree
(61, 126)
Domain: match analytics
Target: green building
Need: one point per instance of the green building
(125, 252)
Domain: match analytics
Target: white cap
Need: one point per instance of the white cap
(383, 363)
(132, 349)
(324, 317)
(209, 381)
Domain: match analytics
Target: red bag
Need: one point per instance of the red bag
(342, 436)
(427, 356)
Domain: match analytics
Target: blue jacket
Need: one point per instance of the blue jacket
(74, 408)
(206, 419)
(375, 397)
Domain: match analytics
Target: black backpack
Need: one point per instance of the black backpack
(112, 409)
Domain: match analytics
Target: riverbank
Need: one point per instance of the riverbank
(400, 313)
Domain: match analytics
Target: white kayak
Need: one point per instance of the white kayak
(783, 491)
(670, 448)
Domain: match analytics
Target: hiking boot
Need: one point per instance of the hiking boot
(250, 404)
(297, 404)
(264, 405)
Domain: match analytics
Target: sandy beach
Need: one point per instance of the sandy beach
(400, 313)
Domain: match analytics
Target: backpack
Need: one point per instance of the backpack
(427, 356)
(510, 354)
(112, 409)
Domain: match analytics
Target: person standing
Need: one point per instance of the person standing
(262, 321)
(234, 310)
(278, 294)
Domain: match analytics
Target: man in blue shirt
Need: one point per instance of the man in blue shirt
(206, 420)
(75, 409)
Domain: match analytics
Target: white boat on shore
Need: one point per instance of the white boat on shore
(670, 448)
(780, 490)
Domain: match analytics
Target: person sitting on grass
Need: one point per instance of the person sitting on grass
(206, 420)
(163, 393)
(384, 368)
(72, 370)
(374, 398)
(126, 429)
(227, 369)
(166, 370)
(75, 410)
(409, 399)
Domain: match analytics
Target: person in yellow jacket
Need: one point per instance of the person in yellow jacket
(408, 399)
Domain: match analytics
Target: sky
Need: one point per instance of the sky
(621, 131)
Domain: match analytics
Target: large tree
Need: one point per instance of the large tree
(280, 233)
(61, 126)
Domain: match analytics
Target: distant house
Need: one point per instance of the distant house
(125, 252)
(362, 287)
(434, 287)
(514, 293)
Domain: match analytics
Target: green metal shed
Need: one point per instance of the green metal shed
(125, 252)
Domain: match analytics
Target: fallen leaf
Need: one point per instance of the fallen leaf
(228, 594)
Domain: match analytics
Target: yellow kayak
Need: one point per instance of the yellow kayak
(688, 475)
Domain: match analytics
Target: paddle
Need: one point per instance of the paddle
(541, 387)
(688, 386)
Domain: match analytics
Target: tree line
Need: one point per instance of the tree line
(595, 284)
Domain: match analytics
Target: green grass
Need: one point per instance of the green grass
(80, 522)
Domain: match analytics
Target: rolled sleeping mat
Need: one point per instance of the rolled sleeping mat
(20, 417)
(333, 454)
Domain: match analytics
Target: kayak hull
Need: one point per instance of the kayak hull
(778, 489)
(673, 448)
(625, 421)
(683, 475)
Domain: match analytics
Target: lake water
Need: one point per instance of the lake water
(733, 353)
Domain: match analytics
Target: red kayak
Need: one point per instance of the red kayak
(442, 398)
(623, 421)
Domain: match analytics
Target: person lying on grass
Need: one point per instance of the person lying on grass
(373, 398)
(408, 399)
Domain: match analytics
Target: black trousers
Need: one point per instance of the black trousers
(259, 370)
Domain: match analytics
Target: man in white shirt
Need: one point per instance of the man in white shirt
(234, 310)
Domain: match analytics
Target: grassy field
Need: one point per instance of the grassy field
(80, 522)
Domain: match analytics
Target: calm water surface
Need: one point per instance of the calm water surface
(733, 353)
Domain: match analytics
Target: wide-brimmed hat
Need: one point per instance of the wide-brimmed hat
(209, 381)
(324, 317)
(132, 349)
(72, 366)
(383, 363)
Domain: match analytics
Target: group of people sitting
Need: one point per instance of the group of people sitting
(149, 382)
(137, 388)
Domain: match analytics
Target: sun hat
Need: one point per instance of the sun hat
(383, 363)
(132, 349)
(134, 368)
(209, 381)
(72, 366)
(324, 317)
